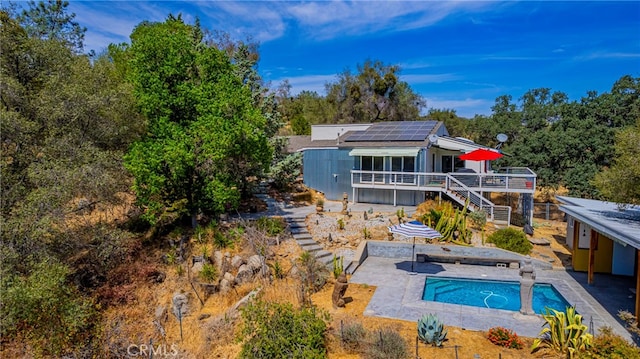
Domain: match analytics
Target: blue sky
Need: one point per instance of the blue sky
(458, 55)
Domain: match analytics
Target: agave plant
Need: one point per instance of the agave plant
(431, 330)
(564, 333)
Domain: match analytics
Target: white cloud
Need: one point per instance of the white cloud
(607, 55)
(428, 78)
(307, 83)
(332, 19)
(467, 107)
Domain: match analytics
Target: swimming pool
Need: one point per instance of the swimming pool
(491, 294)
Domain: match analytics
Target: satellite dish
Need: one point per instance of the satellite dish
(433, 138)
(501, 137)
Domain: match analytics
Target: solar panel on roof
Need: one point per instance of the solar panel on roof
(394, 131)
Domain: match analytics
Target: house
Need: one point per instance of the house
(405, 162)
(604, 238)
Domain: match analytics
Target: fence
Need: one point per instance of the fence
(548, 211)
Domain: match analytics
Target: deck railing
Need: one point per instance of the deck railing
(512, 180)
(465, 188)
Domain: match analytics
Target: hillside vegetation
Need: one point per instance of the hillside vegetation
(116, 165)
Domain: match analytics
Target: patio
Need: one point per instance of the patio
(399, 295)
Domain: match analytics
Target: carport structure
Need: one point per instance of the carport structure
(604, 237)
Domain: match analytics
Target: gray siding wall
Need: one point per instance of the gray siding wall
(328, 171)
(385, 196)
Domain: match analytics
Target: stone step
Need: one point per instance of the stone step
(324, 256)
(305, 242)
(296, 219)
(311, 248)
(302, 236)
(298, 230)
(297, 225)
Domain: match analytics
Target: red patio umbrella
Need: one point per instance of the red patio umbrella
(481, 154)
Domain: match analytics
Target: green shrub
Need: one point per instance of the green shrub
(608, 345)
(505, 338)
(479, 218)
(44, 309)
(564, 333)
(354, 336)
(221, 241)
(340, 223)
(208, 273)
(511, 239)
(275, 330)
(313, 275)
(276, 268)
(272, 226)
(387, 344)
(338, 266)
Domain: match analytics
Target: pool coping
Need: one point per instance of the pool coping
(398, 295)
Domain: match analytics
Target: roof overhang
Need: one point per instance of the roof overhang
(603, 217)
(383, 152)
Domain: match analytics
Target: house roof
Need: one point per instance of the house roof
(299, 143)
(621, 225)
(394, 131)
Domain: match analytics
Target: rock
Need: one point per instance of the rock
(237, 261)
(225, 286)
(197, 267)
(209, 289)
(540, 241)
(255, 263)
(180, 305)
(245, 274)
(204, 316)
(229, 277)
(242, 302)
(156, 277)
(161, 314)
(218, 257)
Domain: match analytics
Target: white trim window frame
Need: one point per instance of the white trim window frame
(405, 164)
(372, 163)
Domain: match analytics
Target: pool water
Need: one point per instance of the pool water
(491, 294)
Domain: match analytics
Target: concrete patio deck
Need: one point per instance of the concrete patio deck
(399, 295)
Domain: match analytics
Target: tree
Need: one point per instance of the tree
(621, 182)
(51, 314)
(206, 133)
(457, 126)
(50, 20)
(375, 93)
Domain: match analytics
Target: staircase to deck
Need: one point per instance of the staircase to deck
(474, 201)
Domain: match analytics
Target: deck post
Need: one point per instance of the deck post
(638, 286)
(394, 196)
(592, 255)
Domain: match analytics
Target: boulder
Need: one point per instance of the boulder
(229, 277)
(237, 261)
(161, 314)
(180, 305)
(245, 274)
(218, 258)
(255, 263)
(225, 286)
(197, 268)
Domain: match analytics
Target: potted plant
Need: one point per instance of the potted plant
(319, 205)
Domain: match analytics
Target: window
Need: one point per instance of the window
(372, 163)
(403, 164)
(451, 163)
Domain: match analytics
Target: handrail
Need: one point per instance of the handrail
(471, 195)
